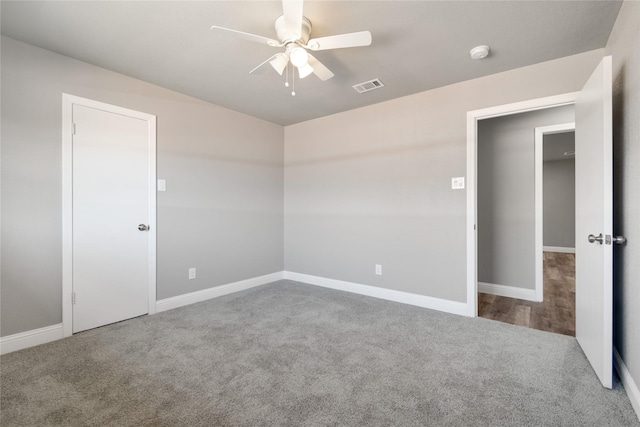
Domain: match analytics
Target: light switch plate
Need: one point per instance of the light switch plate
(162, 185)
(457, 183)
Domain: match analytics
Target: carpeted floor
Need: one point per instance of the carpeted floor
(288, 354)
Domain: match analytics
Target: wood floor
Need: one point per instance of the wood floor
(555, 314)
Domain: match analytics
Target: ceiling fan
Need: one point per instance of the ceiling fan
(292, 32)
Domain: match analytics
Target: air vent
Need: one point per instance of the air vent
(367, 86)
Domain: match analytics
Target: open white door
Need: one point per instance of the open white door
(594, 221)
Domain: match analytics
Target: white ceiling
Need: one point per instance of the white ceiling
(417, 45)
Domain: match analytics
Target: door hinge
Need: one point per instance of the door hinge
(73, 128)
(73, 297)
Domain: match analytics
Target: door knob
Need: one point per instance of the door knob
(143, 227)
(593, 239)
(620, 240)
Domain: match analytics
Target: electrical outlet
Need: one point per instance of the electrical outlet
(192, 273)
(379, 269)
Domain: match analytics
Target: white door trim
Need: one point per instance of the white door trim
(67, 200)
(540, 132)
(472, 158)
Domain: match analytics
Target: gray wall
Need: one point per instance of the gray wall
(373, 185)
(559, 203)
(624, 46)
(222, 212)
(506, 203)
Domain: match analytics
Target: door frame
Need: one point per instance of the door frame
(540, 133)
(472, 167)
(67, 200)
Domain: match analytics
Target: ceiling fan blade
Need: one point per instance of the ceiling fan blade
(264, 62)
(292, 10)
(319, 69)
(248, 36)
(361, 38)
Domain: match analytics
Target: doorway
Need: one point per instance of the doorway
(473, 117)
(109, 214)
(555, 186)
(510, 159)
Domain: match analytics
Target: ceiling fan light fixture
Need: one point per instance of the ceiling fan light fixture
(305, 70)
(279, 63)
(293, 31)
(299, 56)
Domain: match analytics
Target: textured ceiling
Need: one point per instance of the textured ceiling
(417, 45)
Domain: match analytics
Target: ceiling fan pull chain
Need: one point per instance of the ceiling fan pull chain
(286, 83)
(293, 80)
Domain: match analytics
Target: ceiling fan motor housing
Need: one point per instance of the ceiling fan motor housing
(285, 36)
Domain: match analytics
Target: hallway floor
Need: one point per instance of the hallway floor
(555, 314)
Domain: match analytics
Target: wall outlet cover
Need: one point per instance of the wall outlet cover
(457, 183)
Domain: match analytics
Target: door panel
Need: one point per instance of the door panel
(594, 209)
(110, 200)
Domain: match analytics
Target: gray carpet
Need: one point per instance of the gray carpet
(288, 354)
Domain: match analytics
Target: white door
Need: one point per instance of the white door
(594, 212)
(110, 170)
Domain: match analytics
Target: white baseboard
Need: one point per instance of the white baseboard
(47, 334)
(629, 384)
(216, 291)
(30, 338)
(559, 249)
(447, 306)
(507, 291)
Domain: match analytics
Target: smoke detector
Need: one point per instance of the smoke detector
(479, 52)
